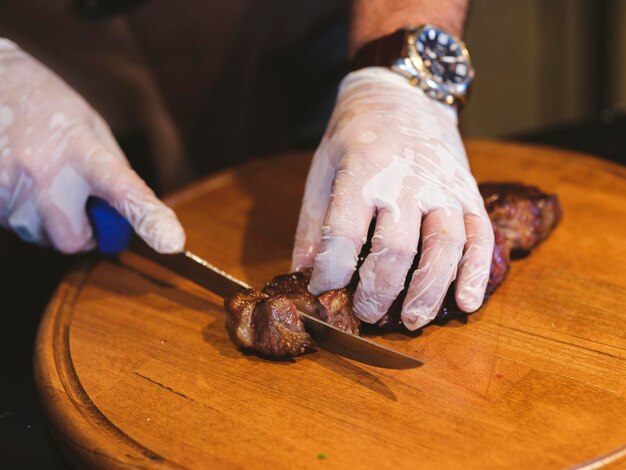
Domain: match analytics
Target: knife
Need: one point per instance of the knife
(113, 234)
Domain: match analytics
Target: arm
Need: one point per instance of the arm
(372, 19)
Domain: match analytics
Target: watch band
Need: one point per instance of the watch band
(381, 52)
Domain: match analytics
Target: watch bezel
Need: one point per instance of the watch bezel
(447, 92)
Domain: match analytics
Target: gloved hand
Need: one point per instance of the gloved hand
(56, 151)
(394, 153)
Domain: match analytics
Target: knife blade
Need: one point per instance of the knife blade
(209, 276)
(113, 234)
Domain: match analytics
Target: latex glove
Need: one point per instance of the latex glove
(392, 152)
(56, 151)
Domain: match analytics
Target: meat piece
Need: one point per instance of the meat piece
(522, 216)
(525, 214)
(294, 287)
(499, 262)
(269, 325)
(278, 329)
(240, 308)
(333, 307)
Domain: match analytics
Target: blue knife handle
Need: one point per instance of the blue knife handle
(111, 231)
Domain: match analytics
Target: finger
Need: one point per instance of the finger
(476, 263)
(114, 181)
(384, 271)
(26, 222)
(62, 205)
(314, 205)
(343, 234)
(103, 133)
(443, 238)
(68, 234)
(22, 215)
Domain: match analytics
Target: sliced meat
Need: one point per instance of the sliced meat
(268, 321)
(268, 325)
(294, 287)
(334, 306)
(278, 329)
(525, 214)
(499, 261)
(240, 308)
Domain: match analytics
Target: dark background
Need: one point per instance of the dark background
(29, 275)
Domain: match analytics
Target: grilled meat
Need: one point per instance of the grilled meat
(268, 325)
(525, 214)
(240, 308)
(268, 321)
(333, 307)
(294, 287)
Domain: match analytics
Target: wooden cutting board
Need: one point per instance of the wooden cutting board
(135, 369)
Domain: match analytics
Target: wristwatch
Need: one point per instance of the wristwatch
(428, 56)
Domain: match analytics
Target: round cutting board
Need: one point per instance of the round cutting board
(135, 369)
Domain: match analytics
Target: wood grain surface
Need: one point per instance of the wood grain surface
(135, 369)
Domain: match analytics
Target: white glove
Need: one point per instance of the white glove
(394, 153)
(56, 151)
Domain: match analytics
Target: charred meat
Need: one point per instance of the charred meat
(269, 322)
(269, 325)
(294, 287)
(333, 307)
(524, 214)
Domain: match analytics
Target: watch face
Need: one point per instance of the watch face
(443, 57)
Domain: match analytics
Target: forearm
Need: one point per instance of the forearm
(372, 19)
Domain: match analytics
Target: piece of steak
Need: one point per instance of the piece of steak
(268, 325)
(294, 287)
(240, 308)
(525, 214)
(333, 306)
(268, 321)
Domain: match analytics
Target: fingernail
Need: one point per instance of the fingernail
(315, 287)
(417, 318)
(366, 310)
(334, 265)
(170, 237)
(469, 301)
(319, 285)
(302, 260)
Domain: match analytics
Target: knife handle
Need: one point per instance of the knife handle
(111, 231)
